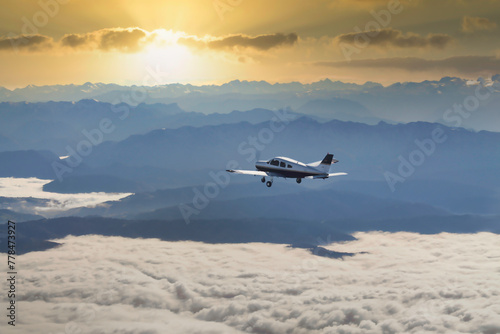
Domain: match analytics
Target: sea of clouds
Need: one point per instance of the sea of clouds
(33, 187)
(396, 283)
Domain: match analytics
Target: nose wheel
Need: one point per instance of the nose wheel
(299, 180)
(269, 184)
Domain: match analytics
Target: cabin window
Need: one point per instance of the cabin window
(275, 162)
(289, 166)
(282, 164)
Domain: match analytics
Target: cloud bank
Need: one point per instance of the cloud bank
(124, 40)
(260, 42)
(31, 43)
(462, 64)
(132, 40)
(471, 24)
(404, 283)
(53, 203)
(395, 38)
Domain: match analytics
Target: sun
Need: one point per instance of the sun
(172, 60)
(170, 56)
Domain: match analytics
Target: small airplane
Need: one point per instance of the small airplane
(289, 168)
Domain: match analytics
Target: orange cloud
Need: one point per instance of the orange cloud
(131, 40)
(396, 38)
(260, 42)
(462, 64)
(117, 39)
(471, 24)
(29, 43)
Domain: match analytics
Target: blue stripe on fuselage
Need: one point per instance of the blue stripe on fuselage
(287, 173)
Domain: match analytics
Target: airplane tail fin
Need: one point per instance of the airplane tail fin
(324, 165)
(327, 160)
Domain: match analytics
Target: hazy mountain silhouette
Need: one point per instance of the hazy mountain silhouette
(93, 183)
(221, 231)
(340, 109)
(314, 205)
(399, 102)
(7, 144)
(89, 90)
(55, 125)
(188, 156)
(365, 151)
(27, 164)
(167, 148)
(6, 215)
(458, 197)
(159, 199)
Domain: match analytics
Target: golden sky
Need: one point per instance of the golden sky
(214, 41)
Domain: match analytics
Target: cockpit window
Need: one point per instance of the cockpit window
(275, 162)
(289, 166)
(282, 164)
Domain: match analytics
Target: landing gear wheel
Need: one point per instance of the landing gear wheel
(299, 180)
(269, 184)
(263, 179)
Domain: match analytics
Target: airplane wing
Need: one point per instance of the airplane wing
(248, 172)
(325, 176)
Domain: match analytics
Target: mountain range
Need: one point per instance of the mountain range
(55, 125)
(186, 155)
(401, 173)
(370, 102)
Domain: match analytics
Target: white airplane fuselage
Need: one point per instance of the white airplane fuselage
(287, 167)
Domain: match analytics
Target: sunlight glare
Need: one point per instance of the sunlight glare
(171, 58)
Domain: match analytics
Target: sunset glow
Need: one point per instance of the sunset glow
(76, 41)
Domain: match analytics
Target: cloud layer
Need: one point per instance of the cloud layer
(395, 38)
(125, 40)
(471, 24)
(404, 283)
(463, 64)
(131, 40)
(30, 43)
(260, 42)
(53, 204)
(116, 39)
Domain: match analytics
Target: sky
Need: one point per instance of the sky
(151, 42)
(401, 283)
